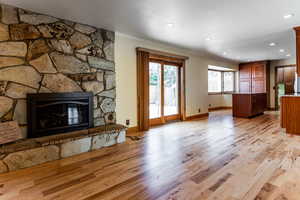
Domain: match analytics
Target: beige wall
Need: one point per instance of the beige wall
(274, 64)
(196, 77)
(220, 100)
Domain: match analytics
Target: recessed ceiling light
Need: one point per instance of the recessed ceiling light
(224, 53)
(208, 39)
(288, 55)
(288, 16)
(272, 44)
(281, 50)
(171, 25)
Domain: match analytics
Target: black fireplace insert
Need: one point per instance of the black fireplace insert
(54, 113)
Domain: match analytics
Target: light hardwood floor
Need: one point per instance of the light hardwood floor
(216, 158)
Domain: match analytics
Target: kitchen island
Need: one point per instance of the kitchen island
(248, 104)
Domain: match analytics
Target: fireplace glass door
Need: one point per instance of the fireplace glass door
(55, 113)
(62, 114)
(163, 92)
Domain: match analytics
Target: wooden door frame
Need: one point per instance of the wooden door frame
(143, 83)
(276, 83)
(163, 119)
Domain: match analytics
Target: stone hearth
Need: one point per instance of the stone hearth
(30, 152)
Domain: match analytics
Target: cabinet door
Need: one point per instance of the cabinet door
(258, 78)
(289, 79)
(245, 78)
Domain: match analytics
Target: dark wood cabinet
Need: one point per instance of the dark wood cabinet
(254, 77)
(254, 89)
(249, 105)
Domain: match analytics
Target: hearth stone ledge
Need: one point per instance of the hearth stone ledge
(30, 152)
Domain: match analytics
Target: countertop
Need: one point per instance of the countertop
(292, 95)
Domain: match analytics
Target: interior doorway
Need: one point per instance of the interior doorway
(285, 82)
(164, 92)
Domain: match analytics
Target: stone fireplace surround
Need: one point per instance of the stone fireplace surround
(44, 54)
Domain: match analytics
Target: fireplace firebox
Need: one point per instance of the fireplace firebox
(54, 113)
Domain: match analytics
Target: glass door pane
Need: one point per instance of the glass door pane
(155, 90)
(171, 89)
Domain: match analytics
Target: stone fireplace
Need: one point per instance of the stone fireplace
(44, 54)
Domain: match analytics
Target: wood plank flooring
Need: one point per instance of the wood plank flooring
(219, 158)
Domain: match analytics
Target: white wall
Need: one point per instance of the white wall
(196, 77)
(277, 63)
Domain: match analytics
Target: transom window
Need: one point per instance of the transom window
(221, 82)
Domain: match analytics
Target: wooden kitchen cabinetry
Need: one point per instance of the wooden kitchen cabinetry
(254, 89)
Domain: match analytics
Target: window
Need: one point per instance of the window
(221, 82)
(214, 81)
(228, 81)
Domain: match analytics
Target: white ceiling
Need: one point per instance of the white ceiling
(243, 29)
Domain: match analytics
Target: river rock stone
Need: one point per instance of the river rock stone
(60, 83)
(37, 48)
(20, 112)
(79, 40)
(93, 86)
(43, 64)
(101, 63)
(121, 137)
(108, 93)
(10, 61)
(44, 90)
(110, 80)
(99, 121)
(103, 140)
(61, 46)
(47, 31)
(95, 101)
(109, 51)
(108, 105)
(91, 50)
(13, 49)
(3, 167)
(23, 32)
(98, 113)
(4, 34)
(17, 91)
(57, 30)
(28, 158)
(76, 147)
(81, 57)
(25, 75)
(106, 140)
(69, 64)
(69, 23)
(84, 28)
(37, 19)
(3, 85)
(110, 35)
(110, 118)
(5, 105)
(9, 14)
(99, 76)
(97, 38)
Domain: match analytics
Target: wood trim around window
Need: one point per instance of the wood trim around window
(143, 57)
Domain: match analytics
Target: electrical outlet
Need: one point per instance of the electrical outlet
(127, 122)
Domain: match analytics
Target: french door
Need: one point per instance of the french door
(164, 92)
